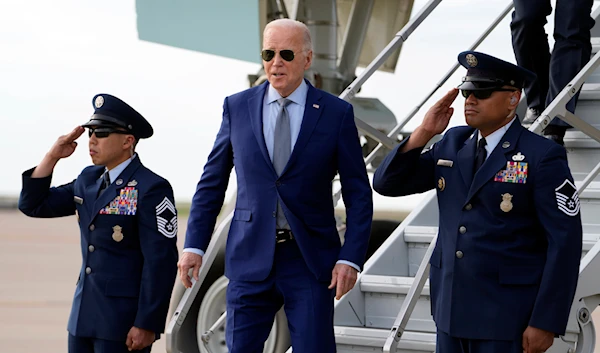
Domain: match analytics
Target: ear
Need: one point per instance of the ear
(514, 100)
(309, 56)
(128, 142)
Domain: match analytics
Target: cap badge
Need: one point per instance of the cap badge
(471, 60)
(99, 101)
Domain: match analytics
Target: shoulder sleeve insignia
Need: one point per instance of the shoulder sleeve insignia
(166, 218)
(567, 198)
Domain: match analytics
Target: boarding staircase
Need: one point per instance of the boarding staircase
(389, 308)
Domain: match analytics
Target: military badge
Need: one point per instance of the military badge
(471, 60)
(119, 181)
(567, 198)
(518, 157)
(132, 183)
(99, 101)
(515, 172)
(166, 218)
(124, 204)
(117, 234)
(505, 144)
(506, 204)
(441, 183)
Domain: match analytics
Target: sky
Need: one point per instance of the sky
(56, 55)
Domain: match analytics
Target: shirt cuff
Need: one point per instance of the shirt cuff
(194, 250)
(352, 264)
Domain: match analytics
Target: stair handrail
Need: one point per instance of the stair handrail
(400, 38)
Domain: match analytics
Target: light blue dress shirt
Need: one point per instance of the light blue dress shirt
(116, 171)
(493, 139)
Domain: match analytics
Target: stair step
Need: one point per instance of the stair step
(352, 339)
(389, 284)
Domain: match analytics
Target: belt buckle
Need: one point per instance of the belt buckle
(277, 241)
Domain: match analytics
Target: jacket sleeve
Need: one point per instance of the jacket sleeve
(38, 199)
(557, 208)
(407, 173)
(210, 191)
(356, 192)
(157, 224)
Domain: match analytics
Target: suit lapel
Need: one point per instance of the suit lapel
(255, 105)
(497, 160)
(466, 157)
(93, 182)
(312, 113)
(111, 191)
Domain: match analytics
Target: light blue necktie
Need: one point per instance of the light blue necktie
(282, 149)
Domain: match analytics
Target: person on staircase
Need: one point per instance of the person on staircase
(505, 266)
(572, 50)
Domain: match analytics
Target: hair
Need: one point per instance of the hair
(292, 24)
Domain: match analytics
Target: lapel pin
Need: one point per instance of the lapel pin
(518, 157)
(119, 181)
(316, 106)
(132, 183)
(505, 144)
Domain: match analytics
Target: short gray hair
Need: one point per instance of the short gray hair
(292, 24)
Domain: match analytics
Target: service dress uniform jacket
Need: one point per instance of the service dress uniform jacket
(510, 235)
(128, 246)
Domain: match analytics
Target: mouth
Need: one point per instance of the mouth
(278, 74)
(470, 111)
(93, 153)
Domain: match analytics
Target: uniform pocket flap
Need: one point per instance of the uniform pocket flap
(524, 275)
(242, 215)
(121, 288)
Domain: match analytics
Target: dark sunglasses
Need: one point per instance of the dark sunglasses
(484, 93)
(102, 132)
(268, 54)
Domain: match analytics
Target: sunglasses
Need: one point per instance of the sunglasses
(102, 132)
(484, 93)
(268, 54)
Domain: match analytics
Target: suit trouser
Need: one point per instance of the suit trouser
(308, 305)
(572, 48)
(95, 345)
(448, 344)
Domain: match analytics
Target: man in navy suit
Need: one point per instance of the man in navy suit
(505, 266)
(128, 224)
(287, 140)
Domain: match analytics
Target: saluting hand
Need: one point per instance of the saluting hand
(343, 279)
(138, 339)
(536, 340)
(438, 116)
(189, 260)
(65, 145)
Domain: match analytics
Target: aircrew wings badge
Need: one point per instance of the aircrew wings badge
(567, 198)
(166, 218)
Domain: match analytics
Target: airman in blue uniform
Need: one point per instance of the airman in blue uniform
(128, 226)
(505, 266)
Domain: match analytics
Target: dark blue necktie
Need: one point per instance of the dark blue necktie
(480, 155)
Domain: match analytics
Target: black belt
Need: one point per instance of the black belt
(283, 235)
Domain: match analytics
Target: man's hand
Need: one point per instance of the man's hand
(138, 338)
(62, 148)
(436, 120)
(189, 260)
(65, 145)
(343, 279)
(536, 340)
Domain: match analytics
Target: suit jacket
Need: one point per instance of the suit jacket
(328, 143)
(508, 253)
(128, 246)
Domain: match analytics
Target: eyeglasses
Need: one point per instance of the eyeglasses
(268, 54)
(484, 93)
(102, 132)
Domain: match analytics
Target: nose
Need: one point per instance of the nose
(471, 100)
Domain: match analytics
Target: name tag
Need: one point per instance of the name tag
(445, 163)
(78, 200)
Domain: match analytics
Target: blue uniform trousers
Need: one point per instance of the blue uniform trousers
(308, 304)
(448, 344)
(572, 48)
(95, 345)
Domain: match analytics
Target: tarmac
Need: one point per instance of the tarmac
(39, 266)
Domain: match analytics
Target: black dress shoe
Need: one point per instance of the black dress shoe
(555, 133)
(556, 138)
(530, 117)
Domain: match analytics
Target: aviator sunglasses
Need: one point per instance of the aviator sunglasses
(484, 93)
(268, 54)
(102, 132)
